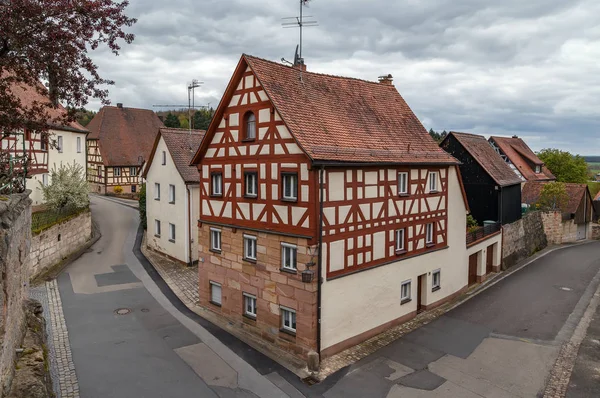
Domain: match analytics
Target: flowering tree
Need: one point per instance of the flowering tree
(68, 188)
(50, 40)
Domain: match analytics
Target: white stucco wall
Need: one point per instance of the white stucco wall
(483, 246)
(68, 155)
(357, 303)
(168, 212)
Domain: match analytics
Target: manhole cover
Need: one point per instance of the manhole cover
(122, 311)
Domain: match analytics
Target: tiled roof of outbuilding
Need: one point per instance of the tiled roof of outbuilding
(343, 119)
(124, 134)
(182, 145)
(521, 156)
(532, 190)
(481, 150)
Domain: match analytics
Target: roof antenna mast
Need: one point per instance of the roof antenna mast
(300, 22)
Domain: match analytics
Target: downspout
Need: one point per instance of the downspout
(320, 261)
(189, 225)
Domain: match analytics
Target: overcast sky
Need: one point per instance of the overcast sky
(525, 67)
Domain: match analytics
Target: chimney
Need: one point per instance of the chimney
(120, 105)
(515, 136)
(386, 79)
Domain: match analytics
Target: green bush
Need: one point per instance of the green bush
(142, 206)
(67, 190)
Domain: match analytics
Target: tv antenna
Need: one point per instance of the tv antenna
(191, 89)
(300, 22)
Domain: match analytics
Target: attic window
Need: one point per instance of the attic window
(538, 169)
(249, 126)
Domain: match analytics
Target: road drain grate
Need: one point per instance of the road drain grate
(122, 311)
(310, 380)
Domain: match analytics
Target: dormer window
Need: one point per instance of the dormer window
(249, 126)
(538, 169)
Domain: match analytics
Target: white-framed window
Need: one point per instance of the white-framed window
(45, 179)
(172, 232)
(215, 239)
(250, 247)
(436, 280)
(538, 169)
(400, 239)
(59, 143)
(251, 178)
(433, 181)
(405, 291)
(78, 144)
(217, 184)
(403, 183)
(44, 142)
(164, 158)
(289, 256)
(156, 191)
(133, 171)
(215, 293)
(250, 126)
(157, 227)
(289, 186)
(249, 305)
(171, 193)
(288, 319)
(117, 171)
(429, 233)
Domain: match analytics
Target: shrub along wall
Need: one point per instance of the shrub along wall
(52, 245)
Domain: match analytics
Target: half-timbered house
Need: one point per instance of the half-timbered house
(119, 143)
(172, 194)
(58, 145)
(327, 212)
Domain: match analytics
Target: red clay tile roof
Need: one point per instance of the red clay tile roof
(532, 190)
(124, 134)
(521, 156)
(30, 95)
(481, 150)
(343, 119)
(182, 146)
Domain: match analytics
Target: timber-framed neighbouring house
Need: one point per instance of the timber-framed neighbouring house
(327, 212)
(119, 143)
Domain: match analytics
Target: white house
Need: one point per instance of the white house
(172, 194)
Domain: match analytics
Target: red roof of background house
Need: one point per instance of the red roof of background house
(342, 119)
(182, 145)
(481, 150)
(124, 134)
(521, 155)
(29, 95)
(532, 190)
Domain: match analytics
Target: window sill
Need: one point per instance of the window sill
(289, 271)
(215, 304)
(404, 195)
(407, 300)
(157, 199)
(214, 195)
(250, 196)
(435, 289)
(248, 316)
(401, 252)
(172, 240)
(434, 192)
(172, 203)
(431, 244)
(250, 260)
(215, 251)
(157, 235)
(288, 332)
(248, 139)
(289, 200)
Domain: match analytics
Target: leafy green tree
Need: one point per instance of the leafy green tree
(142, 206)
(172, 121)
(202, 118)
(553, 197)
(84, 116)
(438, 137)
(183, 121)
(565, 166)
(68, 188)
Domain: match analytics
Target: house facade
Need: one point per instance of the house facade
(521, 159)
(59, 145)
(493, 189)
(172, 194)
(327, 212)
(119, 143)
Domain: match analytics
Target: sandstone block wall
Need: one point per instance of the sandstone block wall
(523, 238)
(595, 233)
(553, 227)
(264, 279)
(15, 240)
(51, 246)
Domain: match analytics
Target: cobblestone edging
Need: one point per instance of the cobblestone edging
(563, 367)
(65, 378)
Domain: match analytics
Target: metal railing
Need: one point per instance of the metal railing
(482, 232)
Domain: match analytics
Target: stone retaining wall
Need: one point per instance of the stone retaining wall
(595, 231)
(523, 238)
(56, 243)
(15, 240)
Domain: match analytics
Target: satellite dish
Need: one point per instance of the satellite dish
(297, 59)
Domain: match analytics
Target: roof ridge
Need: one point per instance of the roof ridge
(317, 73)
(175, 130)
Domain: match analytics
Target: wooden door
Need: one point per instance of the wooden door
(420, 293)
(472, 269)
(489, 260)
